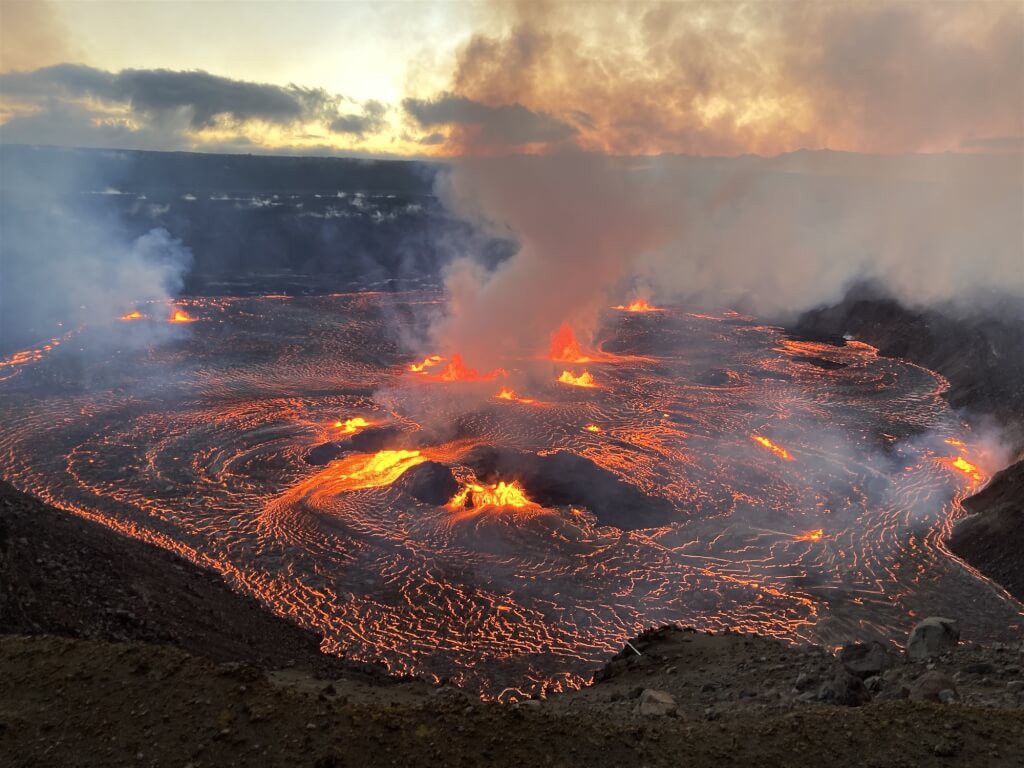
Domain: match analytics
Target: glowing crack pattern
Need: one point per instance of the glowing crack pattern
(809, 505)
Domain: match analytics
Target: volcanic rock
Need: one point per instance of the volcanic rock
(865, 659)
(654, 703)
(931, 685)
(429, 482)
(844, 689)
(324, 454)
(992, 537)
(566, 479)
(931, 637)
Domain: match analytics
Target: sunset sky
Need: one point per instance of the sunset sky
(449, 78)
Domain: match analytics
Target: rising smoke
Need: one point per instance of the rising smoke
(769, 235)
(67, 258)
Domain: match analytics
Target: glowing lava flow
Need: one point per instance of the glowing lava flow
(960, 464)
(816, 535)
(457, 370)
(583, 380)
(180, 316)
(592, 428)
(511, 396)
(136, 315)
(963, 465)
(371, 470)
(428, 362)
(351, 426)
(778, 450)
(638, 305)
(501, 494)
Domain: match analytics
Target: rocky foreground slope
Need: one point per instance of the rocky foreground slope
(116, 653)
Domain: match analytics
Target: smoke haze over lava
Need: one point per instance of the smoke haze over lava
(483, 420)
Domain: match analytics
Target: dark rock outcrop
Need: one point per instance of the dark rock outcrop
(932, 637)
(992, 537)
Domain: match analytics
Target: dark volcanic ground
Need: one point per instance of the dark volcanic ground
(64, 575)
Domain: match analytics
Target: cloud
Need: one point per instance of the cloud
(74, 104)
(370, 121)
(156, 91)
(505, 124)
(734, 78)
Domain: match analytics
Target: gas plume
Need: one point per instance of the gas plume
(68, 260)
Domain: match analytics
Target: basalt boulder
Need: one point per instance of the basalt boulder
(932, 637)
(865, 659)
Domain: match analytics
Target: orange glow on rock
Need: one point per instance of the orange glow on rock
(778, 450)
(592, 428)
(583, 380)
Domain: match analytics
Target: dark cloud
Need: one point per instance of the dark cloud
(78, 105)
(371, 121)
(510, 124)
(155, 91)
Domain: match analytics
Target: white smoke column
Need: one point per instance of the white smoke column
(581, 221)
(773, 236)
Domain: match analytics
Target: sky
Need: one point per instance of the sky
(473, 78)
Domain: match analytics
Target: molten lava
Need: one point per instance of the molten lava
(500, 494)
(373, 470)
(428, 362)
(778, 450)
(457, 370)
(136, 315)
(963, 465)
(180, 316)
(583, 380)
(592, 428)
(565, 348)
(638, 305)
(816, 535)
(351, 426)
(511, 396)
